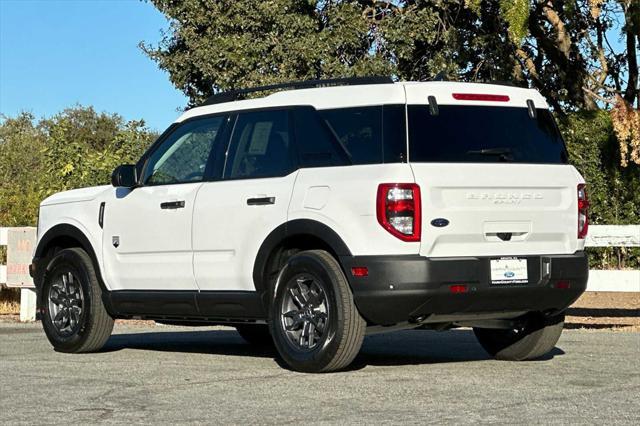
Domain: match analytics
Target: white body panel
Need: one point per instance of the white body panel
(537, 204)
(227, 232)
(344, 199)
(154, 249)
(79, 208)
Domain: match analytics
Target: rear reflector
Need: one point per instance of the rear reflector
(360, 271)
(459, 288)
(480, 97)
(562, 284)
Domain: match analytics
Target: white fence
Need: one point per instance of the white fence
(3, 242)
(627, 280)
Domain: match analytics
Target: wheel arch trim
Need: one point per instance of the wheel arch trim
(291, 229)
(73, 232)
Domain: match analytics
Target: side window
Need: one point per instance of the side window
(260, 146)
(184, 155)
(317, 147)
(370, 135)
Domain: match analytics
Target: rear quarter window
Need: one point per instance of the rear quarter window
(459, 134)
(369, 135)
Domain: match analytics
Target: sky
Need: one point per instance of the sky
(55, 54)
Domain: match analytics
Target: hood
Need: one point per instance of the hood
(75, 195)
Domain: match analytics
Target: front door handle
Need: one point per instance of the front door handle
(261, 201)
(172, 205)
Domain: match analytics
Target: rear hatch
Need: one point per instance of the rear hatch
(494, 180)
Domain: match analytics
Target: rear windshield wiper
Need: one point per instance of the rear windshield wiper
(504, 154)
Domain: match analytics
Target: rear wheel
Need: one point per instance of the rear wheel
(314, 322)
(74, 318)
(534, 337)
(256, 334)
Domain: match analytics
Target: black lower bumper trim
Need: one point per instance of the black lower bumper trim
(413, 288)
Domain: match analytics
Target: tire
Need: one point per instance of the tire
(536, 337)
(315, 325)
(256, 334)
(71, 293)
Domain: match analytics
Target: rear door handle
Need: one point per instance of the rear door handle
(261, 201)
(172, 205)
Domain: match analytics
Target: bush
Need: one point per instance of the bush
(614, 191)
(73, 149)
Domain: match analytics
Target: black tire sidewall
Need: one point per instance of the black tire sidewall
(317, 358)
(67, 261)
(505, 346)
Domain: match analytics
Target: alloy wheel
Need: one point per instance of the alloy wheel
(66, 303)
(305, 312)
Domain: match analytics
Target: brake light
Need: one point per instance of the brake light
(583, 211)
(480, 97)
(398, 209)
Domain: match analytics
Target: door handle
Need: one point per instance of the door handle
(261, 201)
(172, 205)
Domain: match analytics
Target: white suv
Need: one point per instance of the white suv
(324, 212)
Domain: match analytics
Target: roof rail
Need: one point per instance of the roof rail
(234, 95)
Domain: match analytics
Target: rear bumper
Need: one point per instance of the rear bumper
(418, 289)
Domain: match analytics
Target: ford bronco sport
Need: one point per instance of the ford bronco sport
(318, 214)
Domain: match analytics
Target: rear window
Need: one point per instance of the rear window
(459, 134)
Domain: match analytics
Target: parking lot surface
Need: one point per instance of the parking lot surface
(210, 375)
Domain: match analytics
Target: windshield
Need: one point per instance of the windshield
(459, 134)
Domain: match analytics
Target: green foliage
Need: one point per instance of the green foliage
(516, 14)
(239, 43)
(614, 191)
(557, 47)
(73, 149)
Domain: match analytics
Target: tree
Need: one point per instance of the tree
(227, 44)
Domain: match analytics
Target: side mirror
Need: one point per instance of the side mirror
(125, 175)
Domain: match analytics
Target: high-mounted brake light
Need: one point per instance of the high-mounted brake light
(583, 211)
(480, 97)
(398, 209)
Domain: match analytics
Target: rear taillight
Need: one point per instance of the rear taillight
(398, 209)
(583, 211)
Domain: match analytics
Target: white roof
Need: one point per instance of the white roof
(413, 93)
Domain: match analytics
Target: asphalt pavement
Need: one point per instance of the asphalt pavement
(169, 375)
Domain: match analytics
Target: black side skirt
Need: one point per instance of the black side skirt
(174, 305)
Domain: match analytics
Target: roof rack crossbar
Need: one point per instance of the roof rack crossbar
(233, 95)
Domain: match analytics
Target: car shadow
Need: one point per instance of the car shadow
(398, 348)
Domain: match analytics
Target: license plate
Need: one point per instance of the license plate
(509, 270)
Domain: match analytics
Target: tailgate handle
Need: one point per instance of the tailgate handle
(504, 236)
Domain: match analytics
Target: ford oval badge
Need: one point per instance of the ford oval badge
(439, 222)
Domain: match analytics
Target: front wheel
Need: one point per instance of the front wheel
(534, 337)
(315, 324)
(74, 318)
